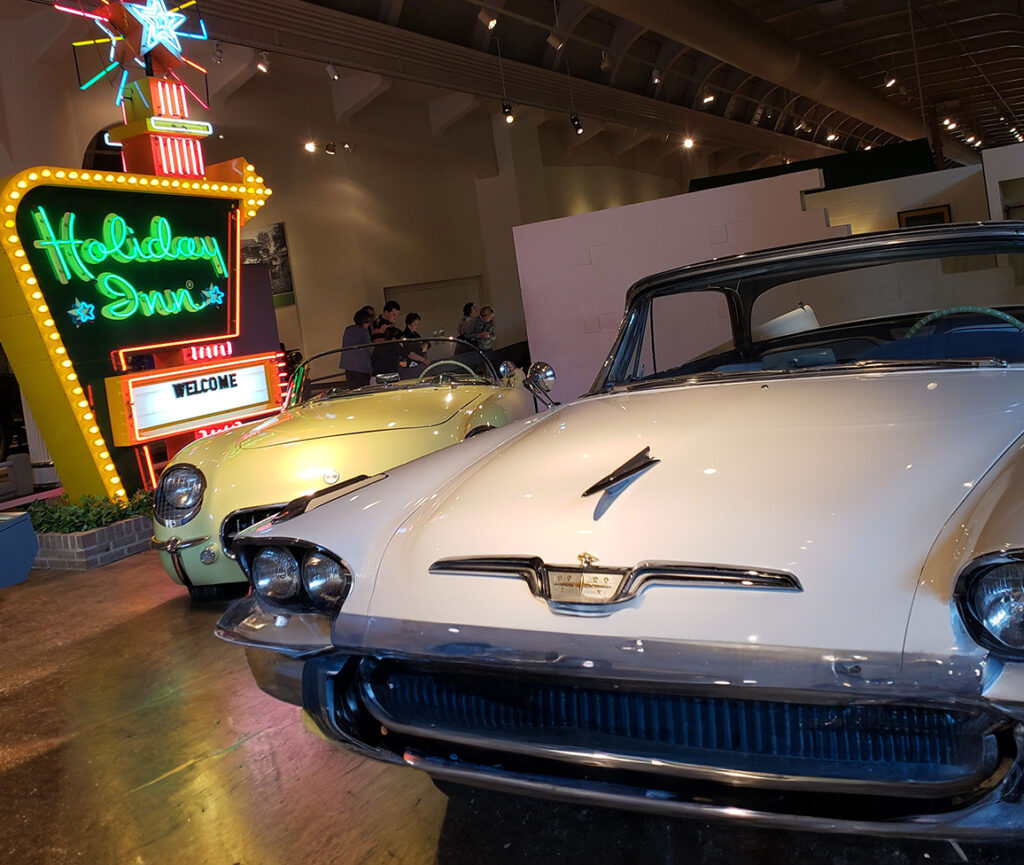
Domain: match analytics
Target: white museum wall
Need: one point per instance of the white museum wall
(1004, 178)
(575, 271)
(873, 206)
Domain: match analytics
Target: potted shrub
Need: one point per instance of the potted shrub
(91, 532)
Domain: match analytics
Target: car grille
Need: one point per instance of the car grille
(909, 746)
(238, 521)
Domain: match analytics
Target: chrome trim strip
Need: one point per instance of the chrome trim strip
(993, 818)
(992, 768)
(173, 546)
(225, 543)
(633, 581)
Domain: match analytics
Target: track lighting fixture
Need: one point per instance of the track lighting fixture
(831, 136)
(556, 40)
(332, 72)
(506, 109)
(310, 146)
(487, 18)
(656, 77)
(574, 119)
(708, 98)
(330, 148)
(889, 80)
(263, 64)
(606, 61)
(218, 54)
(687, 143)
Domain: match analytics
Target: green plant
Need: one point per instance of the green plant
(89, 512)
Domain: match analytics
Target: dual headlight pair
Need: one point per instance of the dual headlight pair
(283, 575)
(990, 596)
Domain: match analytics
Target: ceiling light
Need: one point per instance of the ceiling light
(574, 119)
(506, 109)
(263, 64)
(346, 147)
(656, 76)
(970, 139)
(952, 125)
(709, 98)
(867, 146)
(687, 143)
(890, 80)
(977, 143)
(218, 54)
(556, 40)
(606, 61)
(487, 18)
(310, 146)
(332, 72)
(831, 136)
(330, 148)
(945, 122)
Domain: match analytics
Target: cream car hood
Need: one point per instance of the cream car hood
(842, 480)
(400, 408)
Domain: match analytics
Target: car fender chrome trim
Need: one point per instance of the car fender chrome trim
(173, 546)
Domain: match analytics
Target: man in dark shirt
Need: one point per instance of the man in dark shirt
(386, 358)
(355, 361)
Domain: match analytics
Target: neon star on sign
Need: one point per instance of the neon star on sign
(159, 25)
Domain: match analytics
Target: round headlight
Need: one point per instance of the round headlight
(275, 574)
(326, 580)
(179, 495)
(997, 601)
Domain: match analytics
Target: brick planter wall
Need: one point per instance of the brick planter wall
(79, 551)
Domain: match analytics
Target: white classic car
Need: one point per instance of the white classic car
(770, 568)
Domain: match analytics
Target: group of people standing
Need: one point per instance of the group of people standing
(477, 327)
(368, 328)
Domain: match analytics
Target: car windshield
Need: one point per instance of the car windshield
(878, 307)
(379, 366)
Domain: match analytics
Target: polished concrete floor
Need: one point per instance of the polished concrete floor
(129, 734)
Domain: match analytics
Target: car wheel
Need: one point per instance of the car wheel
(218, 592)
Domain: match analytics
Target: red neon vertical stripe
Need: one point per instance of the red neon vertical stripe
(199, 159)
(184, 104)
(162, 168)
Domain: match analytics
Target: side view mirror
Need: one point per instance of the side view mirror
(539, 381)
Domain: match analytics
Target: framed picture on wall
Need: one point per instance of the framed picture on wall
(935, 215)
(268, 245)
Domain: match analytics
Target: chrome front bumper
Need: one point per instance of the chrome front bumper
(292, 658)
(173, 547)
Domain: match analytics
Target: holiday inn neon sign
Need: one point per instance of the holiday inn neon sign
(72, 257)
(103, 267)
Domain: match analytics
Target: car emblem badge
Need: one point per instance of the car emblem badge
(586, 559)
(331, 476)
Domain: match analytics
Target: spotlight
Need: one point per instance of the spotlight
(606, 61)
(310, 146)
(556, 40)
(506, 109)
(574, 119)
(970, 139)
(708, 98)
(952, 125)
(977, 143)
(263, 64)
(867, 146)
(346, 147)
(218, 54)
(487, 18)
(889, 80)
(946, 122)
(831, 136)
(332, 72)
(687, 143)
(656, 77)
(330, 148)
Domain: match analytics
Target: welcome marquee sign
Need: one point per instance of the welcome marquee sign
(106, 268)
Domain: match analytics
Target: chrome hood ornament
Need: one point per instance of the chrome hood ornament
(614, 480)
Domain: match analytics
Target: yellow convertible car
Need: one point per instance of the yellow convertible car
(349, 412)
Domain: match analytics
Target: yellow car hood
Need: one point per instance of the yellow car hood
(401, 408)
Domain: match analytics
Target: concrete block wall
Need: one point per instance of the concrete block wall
(80, 551)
